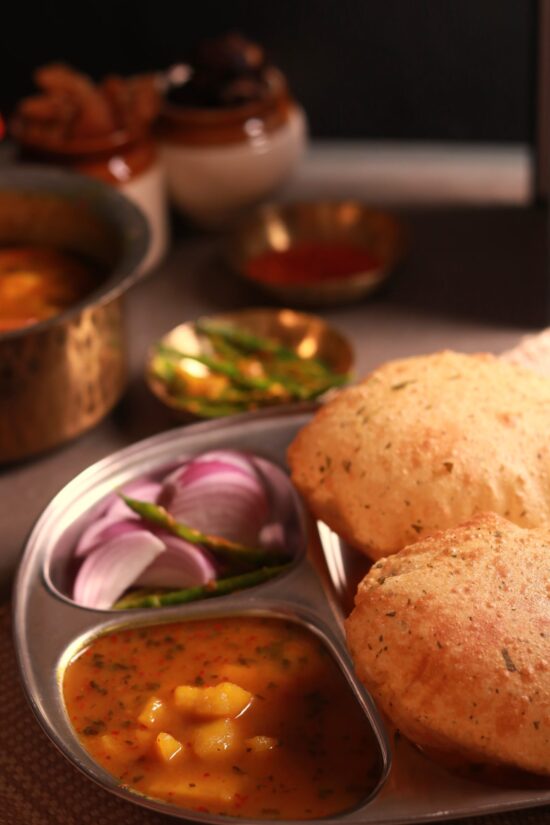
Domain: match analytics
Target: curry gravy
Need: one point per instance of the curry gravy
(39, 282)
(245, 716)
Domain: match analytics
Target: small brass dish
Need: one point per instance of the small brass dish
(279, 227)
(201, 392)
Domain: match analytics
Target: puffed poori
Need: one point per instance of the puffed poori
(425, 443)
(452, 638)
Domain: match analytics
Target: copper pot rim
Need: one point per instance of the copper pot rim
(132, 226)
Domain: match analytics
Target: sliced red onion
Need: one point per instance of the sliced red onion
(222, 497)
(281, 493)
(285, 509)
(224, 456)
(181, 565)
(222, 492)
(102, 530)
(238, 459)
(112, 568)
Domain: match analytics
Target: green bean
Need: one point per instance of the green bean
(216, 365)
(225, 548)
(217, 587)
(245, 340)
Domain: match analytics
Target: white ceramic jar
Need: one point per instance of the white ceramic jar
(219, 161)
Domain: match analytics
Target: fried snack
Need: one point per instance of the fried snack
(452, 638)
(72, 107)
(424, 444)
(134, 101)
(92, 113)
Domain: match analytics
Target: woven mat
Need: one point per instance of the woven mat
(39, 787)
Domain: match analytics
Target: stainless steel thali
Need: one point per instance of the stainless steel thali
(50, 628)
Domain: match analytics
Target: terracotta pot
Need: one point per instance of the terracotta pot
(219, 161)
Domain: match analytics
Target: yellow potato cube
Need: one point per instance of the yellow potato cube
(153, 712)
(215, 739)
(226, 699)
(166, 747)
(213, 790)
(259, 744)
(127, 745)
(185, 697)
(114, 746)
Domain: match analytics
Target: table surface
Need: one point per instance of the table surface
(457, 287)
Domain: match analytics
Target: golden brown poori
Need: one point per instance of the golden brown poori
(425, 443)
(452, 638)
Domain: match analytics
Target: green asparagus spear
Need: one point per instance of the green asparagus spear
(276, 384)
(217, 587)
(164, 369)
(224, 348)
(250, 342)
(292, 365)
(245, 340)
(273, 386)
(217, 365)
(225, 548)
(228, 400)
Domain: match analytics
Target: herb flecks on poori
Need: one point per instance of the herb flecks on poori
(243, 716)
(451, 636)
(216, 523)
(423, 444)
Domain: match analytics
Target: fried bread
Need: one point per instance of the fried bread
(423, 444)
(452, 638)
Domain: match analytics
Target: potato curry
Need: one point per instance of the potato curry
(245, 716)
(38, 282)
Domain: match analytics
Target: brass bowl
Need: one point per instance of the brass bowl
(59, 377)
(278, 227)
(307, 335)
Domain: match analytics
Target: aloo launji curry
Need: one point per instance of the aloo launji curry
(246, 716)
(39, 282)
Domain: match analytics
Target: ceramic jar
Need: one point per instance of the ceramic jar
(220, 160)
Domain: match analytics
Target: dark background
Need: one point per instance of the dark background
(459, 70)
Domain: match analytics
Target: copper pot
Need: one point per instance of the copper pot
(61, 376)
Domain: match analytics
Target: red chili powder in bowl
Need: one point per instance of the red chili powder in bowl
(311, 262)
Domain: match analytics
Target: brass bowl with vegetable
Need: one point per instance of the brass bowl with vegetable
(236, 362)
